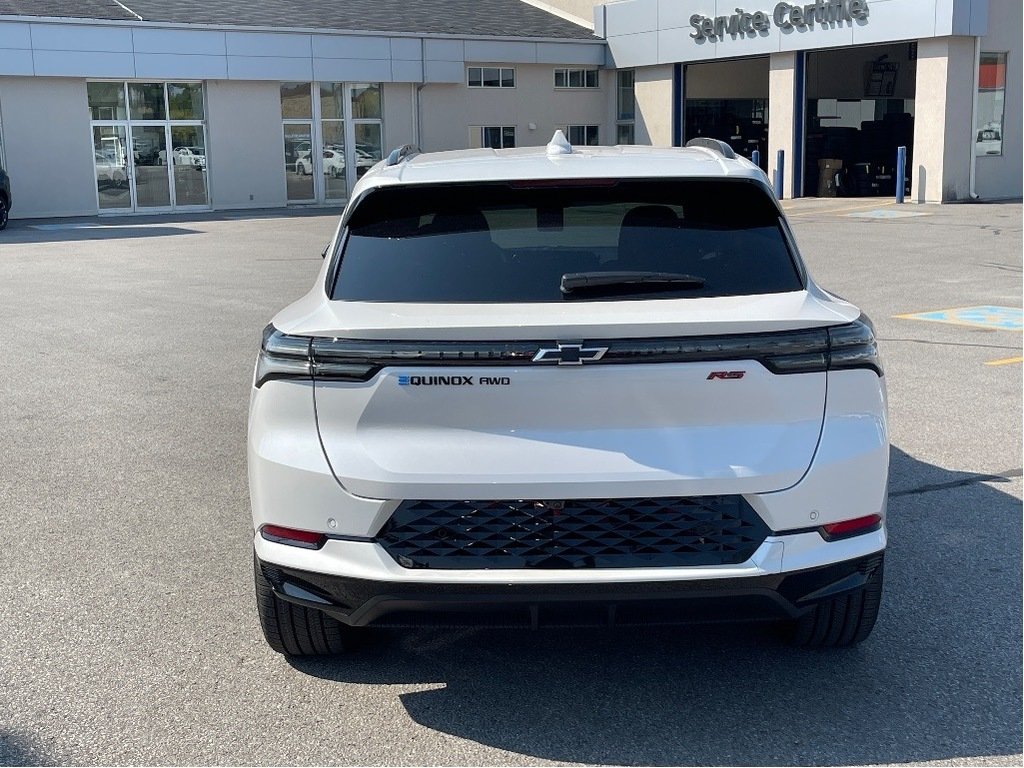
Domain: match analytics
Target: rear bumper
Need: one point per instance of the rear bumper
(368, 602)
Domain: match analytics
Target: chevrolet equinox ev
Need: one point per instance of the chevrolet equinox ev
(562, 386)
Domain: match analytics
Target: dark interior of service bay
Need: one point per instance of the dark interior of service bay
(859, 108)
(728, 100)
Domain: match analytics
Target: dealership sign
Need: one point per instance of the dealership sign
(785, 16)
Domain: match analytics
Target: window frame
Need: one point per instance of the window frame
(566, 72)
(625, 123)
(168, 124)
(1001, 58)
(584, 127)
(481, 83)
(480, 131)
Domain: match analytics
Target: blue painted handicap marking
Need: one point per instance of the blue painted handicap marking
(1003, 318)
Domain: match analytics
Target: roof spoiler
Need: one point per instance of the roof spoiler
(714, 145)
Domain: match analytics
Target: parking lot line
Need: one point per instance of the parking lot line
(820, 211)
(1006, 361)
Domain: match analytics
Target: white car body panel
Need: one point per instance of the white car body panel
(337, 458)
(590, 432)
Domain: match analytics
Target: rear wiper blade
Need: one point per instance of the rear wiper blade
(627, 282)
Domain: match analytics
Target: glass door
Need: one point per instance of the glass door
(151, 160)
(188, 166)
(332, 135)
(113, 170)
(149, 141)
(300, 164)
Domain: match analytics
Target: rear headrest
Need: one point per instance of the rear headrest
(650, 216)
(446, 222)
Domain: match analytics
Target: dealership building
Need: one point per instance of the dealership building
(151, 106)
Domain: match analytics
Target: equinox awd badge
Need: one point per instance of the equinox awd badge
(570, 354)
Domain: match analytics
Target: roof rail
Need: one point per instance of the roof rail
(400, 154)
(714, 145)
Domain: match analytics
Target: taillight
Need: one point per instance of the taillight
(303, 357)
(846, 528)
(854, 346)
(811, 350)
(282, 357)
(841, 347)
(293, 536)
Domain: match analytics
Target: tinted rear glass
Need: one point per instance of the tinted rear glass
(513, 242)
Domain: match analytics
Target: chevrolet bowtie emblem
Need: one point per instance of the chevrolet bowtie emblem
(570, 354)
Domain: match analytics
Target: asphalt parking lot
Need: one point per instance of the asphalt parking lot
(129, 632)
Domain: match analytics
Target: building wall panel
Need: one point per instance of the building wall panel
(447, 110)
(268, 44)
(179, 41)
(81, 37)
(245, 144)
(269, 68)
(351, 47)
(83, 64)
(16, 61)
(15, 35)
(48, 147)
(169, 66)
(369, 70)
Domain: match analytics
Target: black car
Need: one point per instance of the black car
(5, 197)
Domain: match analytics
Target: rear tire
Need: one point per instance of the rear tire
(841, 621)
(3, 213)
(295, 630)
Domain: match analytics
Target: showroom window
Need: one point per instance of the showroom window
(988, 131)
(492, 136)
(625, 114)
(575, 78)
(329, 141)
(149, 145)
(582, 135)
(490, 77)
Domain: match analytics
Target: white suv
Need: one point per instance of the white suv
(565, 387)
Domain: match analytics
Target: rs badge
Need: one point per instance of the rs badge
(725, 375)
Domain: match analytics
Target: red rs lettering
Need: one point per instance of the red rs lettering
(725, 375)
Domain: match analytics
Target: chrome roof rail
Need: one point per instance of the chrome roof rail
(714, 145)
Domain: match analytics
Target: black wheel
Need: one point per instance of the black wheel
(295, 630)
(841, 621)
(3, 213)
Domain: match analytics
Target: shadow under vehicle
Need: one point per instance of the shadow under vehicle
(939, 679)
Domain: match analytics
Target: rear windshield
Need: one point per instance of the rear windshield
(515, 241)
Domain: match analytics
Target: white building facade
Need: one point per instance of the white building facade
(133, 116)
(129, 110)
(837, 85)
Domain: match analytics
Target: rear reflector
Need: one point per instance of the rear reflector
(845, 528)
(291, 536)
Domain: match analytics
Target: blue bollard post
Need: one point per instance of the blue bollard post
(755, 158)
(780, 166)
(901, 172)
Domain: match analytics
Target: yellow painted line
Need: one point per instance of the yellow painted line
(818, 211)
(1006, 361)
